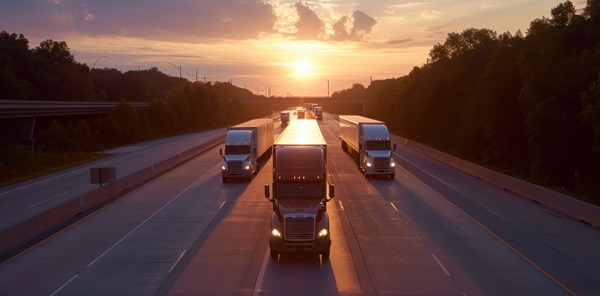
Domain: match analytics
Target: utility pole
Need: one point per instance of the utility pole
(177, 67)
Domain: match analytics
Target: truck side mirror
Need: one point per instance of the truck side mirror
(331, 192)
(221, 152)
(394, 147)
(268, 192)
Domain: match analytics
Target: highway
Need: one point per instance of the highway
(432, 230)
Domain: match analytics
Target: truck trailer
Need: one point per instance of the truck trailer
(300, 222)
(369, 139)
(245, 144)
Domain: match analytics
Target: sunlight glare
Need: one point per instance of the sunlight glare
(302, 68)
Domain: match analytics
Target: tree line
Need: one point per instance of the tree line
(50, 72)
(527, 105)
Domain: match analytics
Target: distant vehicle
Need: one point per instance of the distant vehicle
(301, 113)
(300, 222)
(245, 143)
(370, 139)
(318, 110)
(285, 118)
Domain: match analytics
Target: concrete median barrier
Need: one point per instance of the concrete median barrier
(23, 232)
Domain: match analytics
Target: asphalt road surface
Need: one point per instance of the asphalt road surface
(432, 230)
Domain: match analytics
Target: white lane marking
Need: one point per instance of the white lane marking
(177, 261)
(123, 238)
(260, 278)
(43, 201)
(441, 265)
(64, 285)
(222, 204)
(341, 205)
(506, 220)
(394, 206)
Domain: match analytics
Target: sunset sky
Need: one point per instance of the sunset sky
(293, 47)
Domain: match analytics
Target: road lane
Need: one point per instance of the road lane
(27, 199)
(431, 230)
(130, 246)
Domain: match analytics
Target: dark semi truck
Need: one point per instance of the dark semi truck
(300, 222)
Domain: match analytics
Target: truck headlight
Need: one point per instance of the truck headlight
(275, 233)
(323, 233)
(223, 167)
(247, 167)
(369, 164)
(392, 164)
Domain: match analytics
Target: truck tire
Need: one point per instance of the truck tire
(392, 176)
(274, 255)
(325, 255)
(344, 146)
(224, 180)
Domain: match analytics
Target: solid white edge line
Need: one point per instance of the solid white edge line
(43, 201)
(177, 261)
(394, 206)
(222, 204)
(64, 285)
(341, 205)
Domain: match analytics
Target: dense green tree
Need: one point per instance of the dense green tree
(128, 122)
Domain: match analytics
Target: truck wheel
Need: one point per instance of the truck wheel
(325, 255)
(392, 176)
(344, 147)
(224, 180)
(274, 255)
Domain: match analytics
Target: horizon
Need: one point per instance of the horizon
(294, 48)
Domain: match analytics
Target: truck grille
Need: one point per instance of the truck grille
(382, 162)
(299, 228)
(234, 166)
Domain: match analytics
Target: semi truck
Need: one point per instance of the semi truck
(318, 110)
(245, 144)
(300, 222)
(301, 114)
(285, 118)
(369, 140)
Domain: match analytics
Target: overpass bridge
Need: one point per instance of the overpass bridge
(18, 117)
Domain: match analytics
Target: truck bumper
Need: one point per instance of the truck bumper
(231, 175)
(380, 171)
(319, 246)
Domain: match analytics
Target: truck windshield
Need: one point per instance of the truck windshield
(378, 145)
(229, 150)
(299, 190)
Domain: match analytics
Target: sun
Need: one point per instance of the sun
(302, 68)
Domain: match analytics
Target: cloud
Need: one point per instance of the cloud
(178, 20)
(399, 41)
(363, 24)
(184, 21)
(309, 25)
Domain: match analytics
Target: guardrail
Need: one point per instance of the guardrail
(23, 232)
(25, 109)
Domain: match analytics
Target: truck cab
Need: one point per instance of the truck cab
(238, 159)
(285, 118)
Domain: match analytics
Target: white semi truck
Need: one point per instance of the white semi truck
(300, 222)
(245, 144)
(370, 140)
